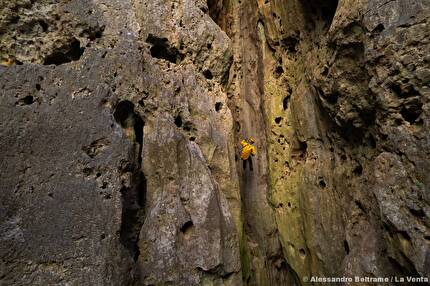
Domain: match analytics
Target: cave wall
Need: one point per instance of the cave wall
(117, 147)
(347, 112)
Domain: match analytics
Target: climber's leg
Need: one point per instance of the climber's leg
(250, 163)
(244, 164)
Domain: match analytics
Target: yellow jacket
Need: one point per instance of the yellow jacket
(247, 150)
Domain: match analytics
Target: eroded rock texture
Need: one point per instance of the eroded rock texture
(120, 124)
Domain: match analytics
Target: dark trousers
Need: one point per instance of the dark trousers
(250, 163)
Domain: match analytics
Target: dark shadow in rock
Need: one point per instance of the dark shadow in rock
(187, 226)
(178, 121)
(285, 102)
(290, 44)
(346, 247)
(412, 111)
(218, 106)
(27, 100)
(317, 10)
(133, 213)
(67, 53)
(161, 49)
(208, 74)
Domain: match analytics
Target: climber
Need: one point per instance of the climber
(248, 150)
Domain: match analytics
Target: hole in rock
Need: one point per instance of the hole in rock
(68, 53)
(161, 49)
(302, 252)
(96, 33)
(360, 206)
(317, 10)
(238, 126)
(44, 25)
(285, 102)
(218, 106)
(278, 120)
(279, 71)
(378, 29)
(419, 213)
(332, 98)
(322, 184)
(87, 171)
(186, 226)
(290, 43)
(411, 112)
(358, 170)
(123, 111)
(346, 246)
(38, 87)
(125, 115)
(403, 90)
(208, 74)
(178, 121)
(303, 148)
(27, 100)
(133, 211)
(403, 234)
(192, 138)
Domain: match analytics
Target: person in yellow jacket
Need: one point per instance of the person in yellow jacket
(248, 150)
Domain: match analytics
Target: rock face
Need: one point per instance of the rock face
(347, 141)
(120, 124)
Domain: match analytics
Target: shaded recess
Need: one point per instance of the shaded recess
(320, 10)
(133, 195)
(162, 49)
(215, 7)
(65, 54)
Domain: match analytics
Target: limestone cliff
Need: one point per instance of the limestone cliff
(120, 124)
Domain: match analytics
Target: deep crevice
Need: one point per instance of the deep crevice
(133, 213)
(134, 195)
(320, 10)
(285, 102)
(346, 247)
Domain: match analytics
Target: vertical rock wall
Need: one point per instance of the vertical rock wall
(346, 114)
(117, 146)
